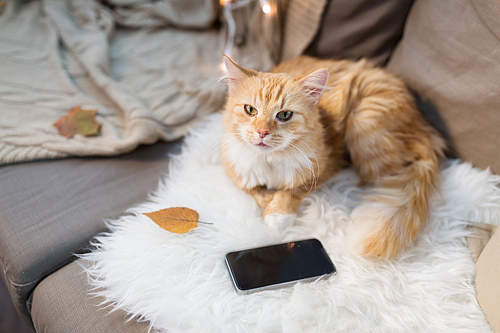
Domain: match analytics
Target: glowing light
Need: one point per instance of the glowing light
(266, 8)
(222, 67)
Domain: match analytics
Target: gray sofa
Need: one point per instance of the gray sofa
(50, 209)
(49, 212)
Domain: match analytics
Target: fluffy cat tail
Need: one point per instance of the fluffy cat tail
(395, 210)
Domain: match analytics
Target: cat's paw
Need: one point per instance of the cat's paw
(280, 221)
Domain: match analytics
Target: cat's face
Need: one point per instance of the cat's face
(272, 112)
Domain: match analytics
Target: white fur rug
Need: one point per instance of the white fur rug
(180, 283)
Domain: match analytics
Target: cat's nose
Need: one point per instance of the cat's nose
(263, 133)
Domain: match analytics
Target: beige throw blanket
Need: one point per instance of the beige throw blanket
(150, 68)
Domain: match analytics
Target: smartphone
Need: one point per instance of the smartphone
(277, 266)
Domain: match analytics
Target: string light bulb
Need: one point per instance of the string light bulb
(266, 8)
(222, 67)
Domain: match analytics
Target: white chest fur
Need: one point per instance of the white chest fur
(273, 170)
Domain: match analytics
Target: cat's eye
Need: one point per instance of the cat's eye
(250, 110)
(284, 115)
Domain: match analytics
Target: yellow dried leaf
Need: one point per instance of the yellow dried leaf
(177, 219)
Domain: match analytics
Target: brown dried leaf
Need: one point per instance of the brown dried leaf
(78, 121)
(177, 219)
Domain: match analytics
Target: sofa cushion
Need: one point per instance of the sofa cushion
(50, 209)
(354, 29)
(450, 56)
(63, 302)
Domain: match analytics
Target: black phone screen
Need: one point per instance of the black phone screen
(279, 264)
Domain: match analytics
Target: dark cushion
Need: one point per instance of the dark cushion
(352, 29)
(450, 56)
(50, 209)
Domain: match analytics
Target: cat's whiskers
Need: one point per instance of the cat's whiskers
(314, 156)
(216, 145)
(309, 164)
(290, 167)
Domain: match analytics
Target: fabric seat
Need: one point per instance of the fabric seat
(50, 209)
(53, 311)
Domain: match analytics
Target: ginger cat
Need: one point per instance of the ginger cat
(288, 131)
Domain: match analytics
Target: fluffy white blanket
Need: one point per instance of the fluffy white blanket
(180, 283)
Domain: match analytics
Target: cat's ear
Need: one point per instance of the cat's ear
(235, 73)
(315, 83)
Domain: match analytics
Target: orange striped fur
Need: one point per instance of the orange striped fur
(352, 111)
